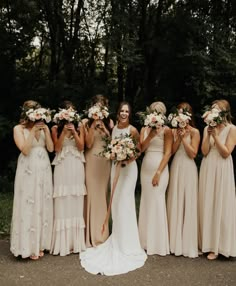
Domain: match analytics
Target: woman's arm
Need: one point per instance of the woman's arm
(192, 147)
(89, 135)
(58, 141)
(48, 138)
(226, 149)
(176, 141)
(206, 141)
(145, 142)
(79, 137)
(168, 140)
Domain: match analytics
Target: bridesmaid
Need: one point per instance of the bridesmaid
(69, 187)
(183, 189)
(157, 145)
(97, 172)
(32, 217)
(217, 201)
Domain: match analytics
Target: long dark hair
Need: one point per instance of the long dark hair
(120, 107)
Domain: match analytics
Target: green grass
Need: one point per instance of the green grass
(6, 201)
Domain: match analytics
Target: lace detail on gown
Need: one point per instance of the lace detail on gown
(32, 217)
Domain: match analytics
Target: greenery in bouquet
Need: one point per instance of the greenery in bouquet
(213, 116)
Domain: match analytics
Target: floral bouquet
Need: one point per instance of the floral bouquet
(213, 117)
(179, 119)
(120, 148)
(98, 111)
(39, 114)
(152, 119)
(67, 115)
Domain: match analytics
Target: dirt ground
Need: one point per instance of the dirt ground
(158, 271)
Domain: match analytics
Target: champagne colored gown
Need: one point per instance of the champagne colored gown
(153, 229)
(182, 198)
(97, 173)
(217, 201)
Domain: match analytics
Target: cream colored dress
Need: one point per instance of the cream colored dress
(153, 227)
(32, 217)
(182, 204)
(69, 191)
(217, 201)
(97, 172)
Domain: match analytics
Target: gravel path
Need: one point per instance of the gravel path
(158, 271)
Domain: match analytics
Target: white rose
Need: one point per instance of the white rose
(170, 117)
(174, 123)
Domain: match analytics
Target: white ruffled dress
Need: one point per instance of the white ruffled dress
(69, 191)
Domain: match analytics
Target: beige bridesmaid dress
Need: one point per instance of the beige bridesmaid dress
(153, 229)
(97, 176)
(217, 201)
(182, 197)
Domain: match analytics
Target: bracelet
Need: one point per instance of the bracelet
(158, 172)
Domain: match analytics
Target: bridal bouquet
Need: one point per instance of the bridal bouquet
(98, 111)
(152, 119)
(39, 114)
(67, 115)
(214, 116)
(179, 119)
(120, 148)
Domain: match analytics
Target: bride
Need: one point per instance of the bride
(121, 252)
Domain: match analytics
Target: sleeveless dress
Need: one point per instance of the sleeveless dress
(69, 191)
(182, 198)
(121, 252)
(97, 172)
(32, 218)
(153, 229)
(217, 201)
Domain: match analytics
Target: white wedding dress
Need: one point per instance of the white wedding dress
(121, 252)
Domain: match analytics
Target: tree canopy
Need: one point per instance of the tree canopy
(137, 50)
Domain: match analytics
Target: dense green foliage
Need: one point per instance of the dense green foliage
(138, 50)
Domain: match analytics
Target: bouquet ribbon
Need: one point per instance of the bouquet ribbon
(116, 177)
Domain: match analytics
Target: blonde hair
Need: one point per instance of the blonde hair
(158, 106)
(224, 105)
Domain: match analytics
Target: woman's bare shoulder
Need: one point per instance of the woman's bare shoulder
(19, 127)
